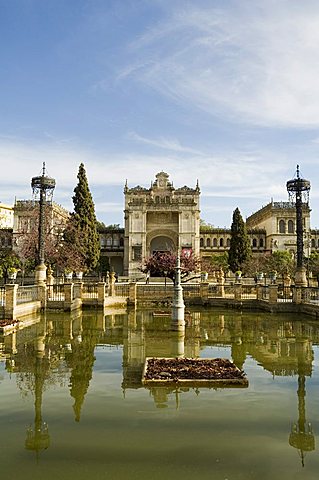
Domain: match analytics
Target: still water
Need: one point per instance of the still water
(72, 405)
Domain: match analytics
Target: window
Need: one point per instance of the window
(201, 242)
(291, 228)
(137, 252)
(215, 242)
(313, 243)
(221, 242)
(261, 243)
(282, 226)
(208, 242)
(254, 242)
(228, 242)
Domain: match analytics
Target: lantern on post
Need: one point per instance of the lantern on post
(43, 187)
(298, 190)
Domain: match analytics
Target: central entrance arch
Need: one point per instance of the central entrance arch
(162, 244)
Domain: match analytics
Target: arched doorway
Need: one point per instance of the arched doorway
(162, 244)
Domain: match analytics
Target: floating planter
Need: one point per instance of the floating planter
(193, 371)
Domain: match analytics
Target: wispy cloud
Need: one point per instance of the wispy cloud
(252, 61)
(165, 143)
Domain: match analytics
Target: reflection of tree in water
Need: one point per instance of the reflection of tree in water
(81, 360)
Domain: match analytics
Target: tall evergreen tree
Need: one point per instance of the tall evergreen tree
(84, 220)
(240, 249)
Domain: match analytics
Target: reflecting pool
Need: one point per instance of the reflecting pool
(72, 405)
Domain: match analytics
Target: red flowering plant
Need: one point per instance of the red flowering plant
(163, 264)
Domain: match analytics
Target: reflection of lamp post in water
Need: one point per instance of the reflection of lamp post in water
(301, 436)
(44, 186)
(297, 189)
(38, 438)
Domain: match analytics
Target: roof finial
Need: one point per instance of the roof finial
(298, 171)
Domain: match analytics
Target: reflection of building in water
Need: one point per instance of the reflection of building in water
(281, 346)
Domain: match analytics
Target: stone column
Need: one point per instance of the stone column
(259, 292)
(77, 290)
(132, 299)
(112, 285)
(101, 293)
(237, 291)
(204, 291)
(273, 293)
(42, 295)
(297, 295)
(68, 295)
(221, 282)
(11, 301)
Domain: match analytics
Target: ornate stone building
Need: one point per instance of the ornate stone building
(278, 219)
(159, 218)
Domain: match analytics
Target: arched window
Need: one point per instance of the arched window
(291, 228)
(208, 242)
(157, 199)
(282, 226)
(121, 242)
(254, 242)
(201, 242)
(215, 242)
(313, 243)
(221, 242)
(228, 242)
(261, 242)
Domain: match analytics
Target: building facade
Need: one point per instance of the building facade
(6, 216)
(278, 219)
(159, 219)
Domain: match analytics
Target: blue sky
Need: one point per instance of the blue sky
(226, 92)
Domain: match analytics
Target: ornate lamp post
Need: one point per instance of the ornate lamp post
(298, 191)
(42, 186)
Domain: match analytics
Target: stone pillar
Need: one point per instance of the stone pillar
(11, 301)
(68, 295)
(297, 295)
(204, 291)
(77, 290)
(273, 293)
(259, 292)
(132, 299)
(112, 284)
(221, 282)
(101, 293)
(237, 291)
(42, 295)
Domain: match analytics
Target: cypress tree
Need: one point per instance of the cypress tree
(240, 249)
(84, 221)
